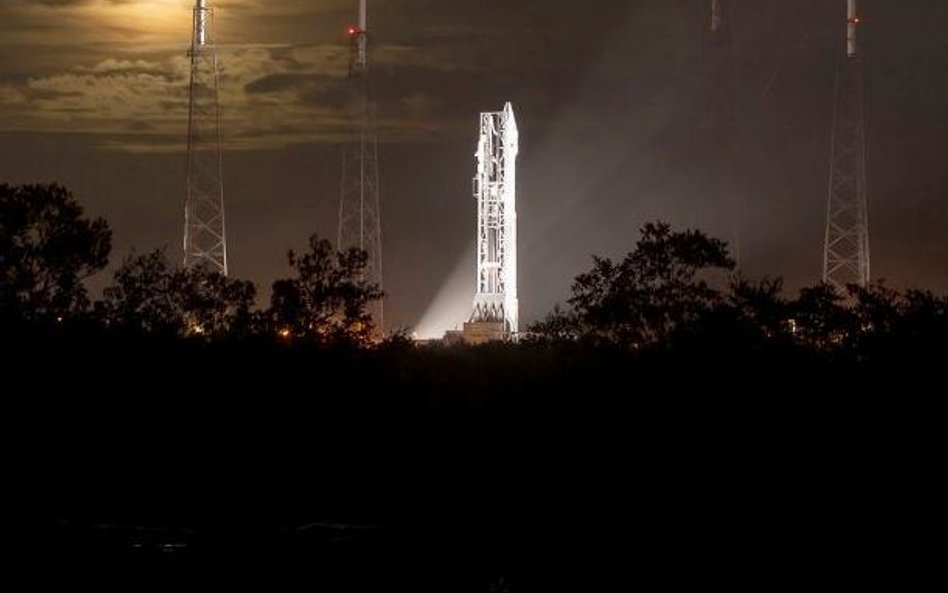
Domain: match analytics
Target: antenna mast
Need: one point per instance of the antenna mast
(846, 245)
(205, 242)
(360, 213)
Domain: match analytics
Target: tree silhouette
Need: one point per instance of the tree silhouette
(558, 326)
(658, 288)
(150, 296)
(876, 310)
(914, 322)
(759, 306)
(328, 298)
(820, 319)
(215, 305)
(924, 315)
(47, 248)
(142, 297)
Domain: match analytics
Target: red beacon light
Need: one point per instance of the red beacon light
(353, 31)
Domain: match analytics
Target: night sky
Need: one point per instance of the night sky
(609, 99)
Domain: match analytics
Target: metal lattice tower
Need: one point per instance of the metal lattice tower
(205, 242)
(360, 214)
(846, 247)
(495, 187)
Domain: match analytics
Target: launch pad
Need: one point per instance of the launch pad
(476, 333)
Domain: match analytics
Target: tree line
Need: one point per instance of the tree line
(677, 289)
(674, 289)
(49, 247)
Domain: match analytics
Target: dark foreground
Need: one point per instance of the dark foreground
(146, 464)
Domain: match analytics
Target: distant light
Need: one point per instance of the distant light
(284, 333)
(856, 20)
(353, 30)
(59, 319)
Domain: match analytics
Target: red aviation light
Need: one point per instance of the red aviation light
(352, 31)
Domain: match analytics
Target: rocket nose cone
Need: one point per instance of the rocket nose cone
(509, 117)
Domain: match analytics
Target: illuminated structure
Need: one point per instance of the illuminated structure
(360, 214)
(495, 188)
(846, 246)
(205, 238)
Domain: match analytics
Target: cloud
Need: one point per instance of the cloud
(112, 66)
(72, 3)
(11, 96)
(108, 67)
(273, 83)
(58, 3)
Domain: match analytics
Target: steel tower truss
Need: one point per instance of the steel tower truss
(495, 188)
(846, 246)
(205, 242)
(360, 214)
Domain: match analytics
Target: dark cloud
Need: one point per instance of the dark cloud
(140, 126)
(315, 90)
(286, 58)
(40, 94)
(58, 2)
(284, 82)
(68, 3)
(334, 96)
